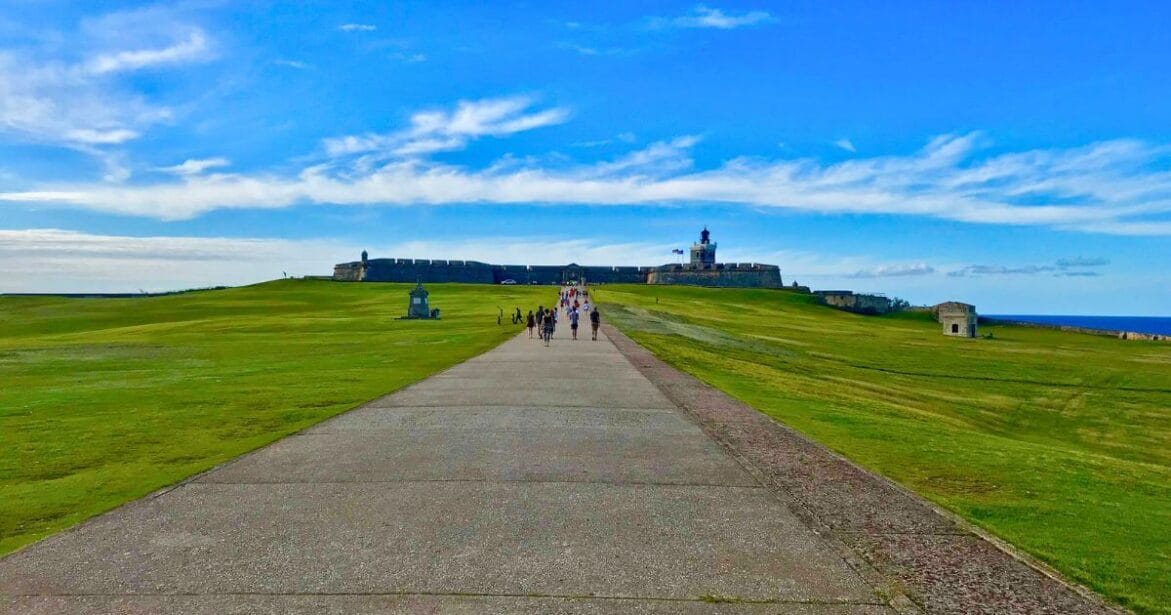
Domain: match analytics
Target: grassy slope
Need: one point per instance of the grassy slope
(1058, 442)
(105, 400)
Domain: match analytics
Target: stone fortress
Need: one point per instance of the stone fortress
(958, 319)
(701, 270)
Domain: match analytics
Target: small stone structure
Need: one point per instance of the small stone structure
(419, 306)
(958, 319)
(850, 301)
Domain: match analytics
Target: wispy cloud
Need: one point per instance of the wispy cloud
(890, 271)
(1066, 263)
(1108, 187)
(622, 137)
(438, 130)
(357, 27)
(846, 144)
(53, 260)
(413, 57)
(1066, 267)
(707, 17)
(293, 64)
(594, 50)
(83, 104)
(978, 270)
(92, 136)
(195, 166)
(193, 47)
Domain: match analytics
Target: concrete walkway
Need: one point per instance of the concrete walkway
(528, 480)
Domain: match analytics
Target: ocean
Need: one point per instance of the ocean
(1160, 325)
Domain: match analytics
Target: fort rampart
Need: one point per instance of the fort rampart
(735, 275)
(749, 275)
(701, 271)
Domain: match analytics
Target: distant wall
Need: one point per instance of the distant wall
(750, 275)
(851, 302)
(348, 272)
(419, 269)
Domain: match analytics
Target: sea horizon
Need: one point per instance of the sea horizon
(1155, 325)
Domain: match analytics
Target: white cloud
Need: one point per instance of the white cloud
(410, 58)
(49, 260)
(1114, 186)
(846, 144)
(1081, 261)
(195, 166)
(85, 105)
(52, 260)
(194, 47)
(624, 137)
(706, 17)
(293, 64)
(65, 105)
(1064, 267)
(436, 131)
(357, 27)
(101, 137)
(896, 270)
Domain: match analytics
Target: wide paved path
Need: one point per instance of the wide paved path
(528, 479)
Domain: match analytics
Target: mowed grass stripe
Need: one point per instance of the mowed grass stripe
(106, 400)
(1058, 442)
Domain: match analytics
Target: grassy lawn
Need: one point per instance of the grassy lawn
(1059, 443)
(105, 400)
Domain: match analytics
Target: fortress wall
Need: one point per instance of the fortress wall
(850, 302)
(521, 273)
(615, 275)
(348, 272)
(406, 270)
(438, 271)
(545, 274)
(760, 276)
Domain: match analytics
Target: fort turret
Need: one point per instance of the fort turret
(703, 254)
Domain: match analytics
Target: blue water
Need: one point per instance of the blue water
(1140, 324)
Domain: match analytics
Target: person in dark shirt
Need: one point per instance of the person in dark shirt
(595, 321)
(531, 323)
(550, 326)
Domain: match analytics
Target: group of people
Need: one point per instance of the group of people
(574, 302)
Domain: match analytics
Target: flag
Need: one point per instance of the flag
(676, 251)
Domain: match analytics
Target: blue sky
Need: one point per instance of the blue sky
(1012, 155)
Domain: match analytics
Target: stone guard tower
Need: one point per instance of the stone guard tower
(958, 319)
(703, 254)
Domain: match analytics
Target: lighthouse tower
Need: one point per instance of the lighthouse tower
(703, 254)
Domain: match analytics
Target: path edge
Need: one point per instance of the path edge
(183, 482)
(694, 398)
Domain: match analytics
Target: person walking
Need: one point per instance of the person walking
(531, 323)
(595, 322)
(573, 316)
(550, 324)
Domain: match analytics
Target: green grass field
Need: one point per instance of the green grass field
(105, 400)
(1059, 443)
